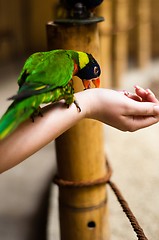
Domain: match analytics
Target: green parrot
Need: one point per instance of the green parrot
(46, 77)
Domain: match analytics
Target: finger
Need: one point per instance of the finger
(139, 122)
(143, 109)
(141, 92)
(132, 96)
(151, 96)
(146, 95)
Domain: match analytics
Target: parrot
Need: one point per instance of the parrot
(46, 77)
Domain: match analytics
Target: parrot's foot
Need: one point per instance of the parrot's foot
(77, 106)
(40, 113)
(68, 102)
(32, 118)
(37, 112)
(67, 105)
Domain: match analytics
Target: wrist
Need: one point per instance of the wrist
(86, 101)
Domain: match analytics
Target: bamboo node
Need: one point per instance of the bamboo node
(83, 209)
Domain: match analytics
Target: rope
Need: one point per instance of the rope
(65, 183)
(106, 179)
(138, 230)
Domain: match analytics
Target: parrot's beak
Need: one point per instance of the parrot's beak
(96, 82)
(87, 83)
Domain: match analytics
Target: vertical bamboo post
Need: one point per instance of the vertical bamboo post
(144, 32)
(154, 27)
(120, 39)
(132, 37)
(105, 31)
(80, 151)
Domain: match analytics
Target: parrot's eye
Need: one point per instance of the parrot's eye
(96, 70)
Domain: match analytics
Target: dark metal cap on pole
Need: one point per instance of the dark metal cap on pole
(78, 12)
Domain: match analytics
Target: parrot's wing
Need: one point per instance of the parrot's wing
(53, 68)
(30, 89)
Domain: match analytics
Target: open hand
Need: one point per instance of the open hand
(125, 111)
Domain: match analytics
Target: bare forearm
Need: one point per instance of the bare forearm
(29, 137)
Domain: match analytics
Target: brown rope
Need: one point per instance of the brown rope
(139, 231)
(65, 183)
(106, 179)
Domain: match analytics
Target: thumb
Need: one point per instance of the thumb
(144, 109)
(146, 116)
(156, 109)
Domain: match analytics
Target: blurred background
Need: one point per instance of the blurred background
(129, 39)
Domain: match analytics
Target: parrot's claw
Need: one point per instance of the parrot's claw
(77, 106)
(32, 118)
(40, 114)
(67, 105)
(37, 112)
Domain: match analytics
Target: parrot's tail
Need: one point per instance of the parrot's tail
(13, 117)
(21, 109)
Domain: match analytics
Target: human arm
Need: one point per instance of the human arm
(108, 106)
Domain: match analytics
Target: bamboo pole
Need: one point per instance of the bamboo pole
(132, 37)
(140, 36)
(120, 40)
(154, 27)
(144, 32)
(80, 151)
(105, 31)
